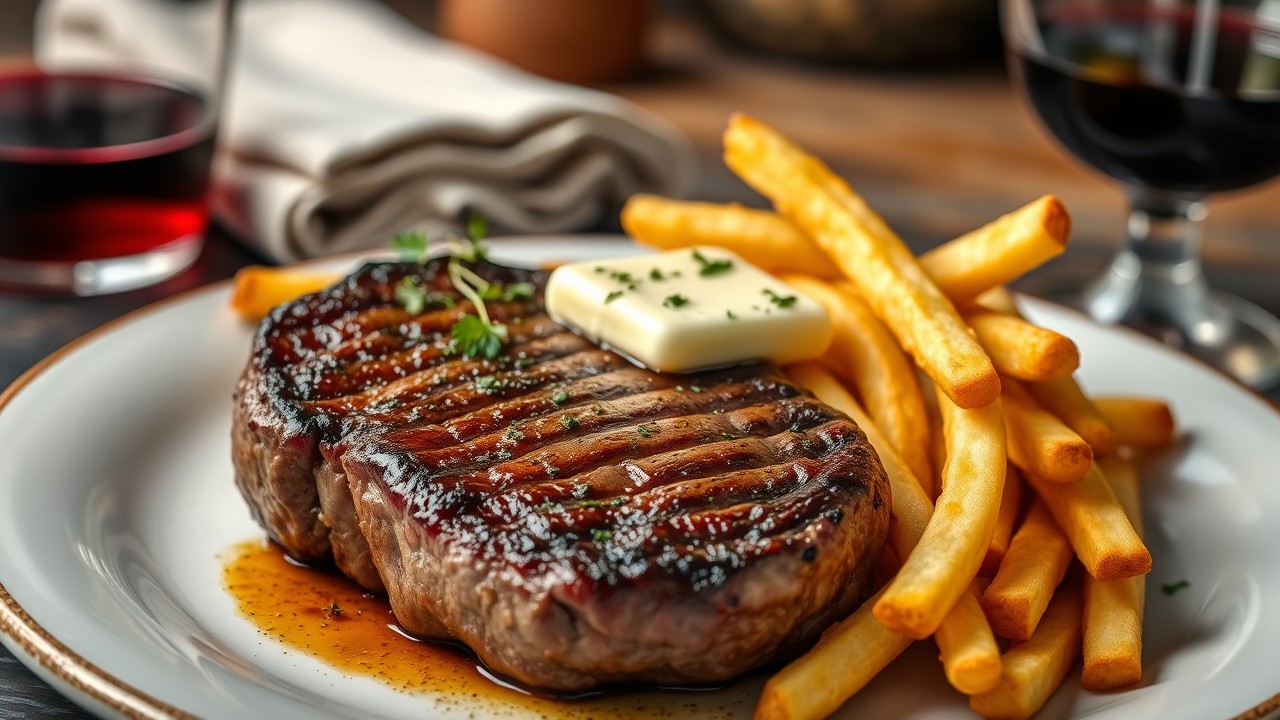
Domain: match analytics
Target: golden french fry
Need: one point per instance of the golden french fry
(257, 289)
(1096, 524)
(1064, 398)
(999, 251)
(1010, 508)
(1035, 668)
(847, 657)
(879, 370)
(1061, 396)
(1138, 422)
(761, 237)
(948, 556)
(1113, 609)
(1022, 350)
(860, 647)
(869, 253)
(1039, 442)
(968, 650)
(1036, 562)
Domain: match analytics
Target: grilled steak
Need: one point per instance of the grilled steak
(574, 519)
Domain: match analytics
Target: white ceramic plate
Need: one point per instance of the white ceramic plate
(116, 499)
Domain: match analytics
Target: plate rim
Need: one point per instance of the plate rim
(68, 670)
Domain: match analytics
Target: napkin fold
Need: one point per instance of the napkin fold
(343, 124)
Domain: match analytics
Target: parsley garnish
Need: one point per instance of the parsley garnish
(675, 301)
(477, 228)
(486, 382)
(613, 295)
(656, 274)
(782, 301)
(559, 397)
(1171, 588)
(645, 431)
(729, 314)
(518, 291)
(411, 295)
(569, 422)
(477, 337)
(601, 535)
(591, 504)
(411, 246)
(472, 335)
(512, 434)
(580, 490)
(332, 610)
(711, 267)
(618, 501)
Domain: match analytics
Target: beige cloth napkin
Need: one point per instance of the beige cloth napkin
(344, 124)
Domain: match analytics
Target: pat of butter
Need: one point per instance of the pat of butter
(686, 309)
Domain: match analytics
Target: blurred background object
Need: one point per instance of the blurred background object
(578, 41)
(875, 32)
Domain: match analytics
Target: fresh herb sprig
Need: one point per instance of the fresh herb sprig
(472, 336)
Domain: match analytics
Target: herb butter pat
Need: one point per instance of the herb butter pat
(671, 313)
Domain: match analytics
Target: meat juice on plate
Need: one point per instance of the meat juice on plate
(99, 166)
(330, 618)
(1133, 92)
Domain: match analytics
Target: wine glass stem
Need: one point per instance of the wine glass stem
(1164, 235)
(1157, 280)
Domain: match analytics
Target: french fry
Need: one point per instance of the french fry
(1036, 562)
(1000, 251)
(998, 299)
(1113, 610)
(847, 657)
(1022, 350)
(1035, 668)
(1061, 396)
(258, 289)
(947, 558)
(1138, 422)
(1064, 398)
(808, 687)
(967, 648)
(1010, 508)
(1096, 524)
(869, 253)
(1040, 443)
(877, 367)
(761, 237)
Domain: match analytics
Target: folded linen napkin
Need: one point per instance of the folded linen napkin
(344, 124)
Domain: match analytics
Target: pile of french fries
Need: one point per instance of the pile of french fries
(1016, 539)
(1016, 535)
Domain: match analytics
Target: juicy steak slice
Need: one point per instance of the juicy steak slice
(575, 519)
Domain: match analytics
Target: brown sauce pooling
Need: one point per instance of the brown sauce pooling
(324, 615)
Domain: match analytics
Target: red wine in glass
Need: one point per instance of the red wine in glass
(97, 172)
(1139, 115)
(1176, 99)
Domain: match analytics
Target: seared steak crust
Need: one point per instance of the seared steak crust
(573, 518)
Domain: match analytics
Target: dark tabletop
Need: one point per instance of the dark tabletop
(936, 154)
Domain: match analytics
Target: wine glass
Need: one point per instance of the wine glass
(1176, 99)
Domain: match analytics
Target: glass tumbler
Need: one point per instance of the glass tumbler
(108, 117)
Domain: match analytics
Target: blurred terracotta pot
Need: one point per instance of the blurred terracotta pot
(577, 41)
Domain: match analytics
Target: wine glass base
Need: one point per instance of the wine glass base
(101, 276)
(1231, 334)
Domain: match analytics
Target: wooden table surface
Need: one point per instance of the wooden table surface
(937, 153)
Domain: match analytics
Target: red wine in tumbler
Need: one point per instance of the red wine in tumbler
(100, 166)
